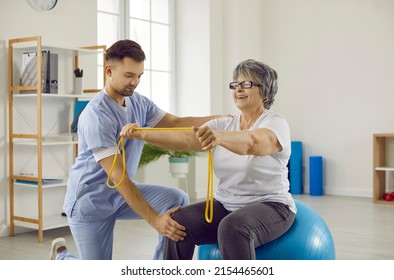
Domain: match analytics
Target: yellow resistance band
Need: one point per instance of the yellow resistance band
(121, 142)
(209, 200)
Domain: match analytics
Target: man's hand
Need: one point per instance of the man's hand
(129, 131)
(168, 227)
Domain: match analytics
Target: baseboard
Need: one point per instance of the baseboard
(340, 191)
(4, 230)
(349, 192)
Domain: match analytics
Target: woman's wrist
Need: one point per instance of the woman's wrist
(219, 137)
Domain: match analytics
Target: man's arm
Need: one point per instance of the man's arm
(168, 139)
(163, 223)
(170, 120)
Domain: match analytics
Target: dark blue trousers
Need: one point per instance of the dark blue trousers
(237, 233)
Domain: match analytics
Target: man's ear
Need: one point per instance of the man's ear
(108, 70)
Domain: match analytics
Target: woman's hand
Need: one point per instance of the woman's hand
(129, 131)
(207, 137)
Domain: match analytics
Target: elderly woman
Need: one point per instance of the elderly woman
(252, 203)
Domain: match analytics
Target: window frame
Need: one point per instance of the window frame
(123, 32)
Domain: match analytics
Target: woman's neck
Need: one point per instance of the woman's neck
(249, 118)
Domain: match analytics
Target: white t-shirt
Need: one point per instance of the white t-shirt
(244, 179)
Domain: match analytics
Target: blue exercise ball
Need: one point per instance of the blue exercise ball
(307, 239)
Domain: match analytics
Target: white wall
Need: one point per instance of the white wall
(65, 26)
(336, 63)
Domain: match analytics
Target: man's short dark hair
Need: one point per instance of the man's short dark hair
(125, 48)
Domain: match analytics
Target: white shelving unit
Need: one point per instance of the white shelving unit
(41, 145)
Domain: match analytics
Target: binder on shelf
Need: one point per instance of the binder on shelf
(44, 181)
(49, 71)
(78, 108)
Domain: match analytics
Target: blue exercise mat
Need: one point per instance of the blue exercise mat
(316, 175)
(295, 168)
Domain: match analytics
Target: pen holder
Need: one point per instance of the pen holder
(78, 85)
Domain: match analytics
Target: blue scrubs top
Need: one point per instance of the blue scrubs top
(88, 198)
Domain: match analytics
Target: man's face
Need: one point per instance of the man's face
(125, 75)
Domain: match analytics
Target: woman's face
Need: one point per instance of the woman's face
(247, 98)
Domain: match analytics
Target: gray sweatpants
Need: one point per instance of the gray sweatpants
(237, 233)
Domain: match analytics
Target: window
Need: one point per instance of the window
(149, 23)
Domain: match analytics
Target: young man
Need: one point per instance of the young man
(91, 206)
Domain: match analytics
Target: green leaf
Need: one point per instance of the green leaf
(152, 153)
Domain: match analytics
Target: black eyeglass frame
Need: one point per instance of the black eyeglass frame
(244, 84)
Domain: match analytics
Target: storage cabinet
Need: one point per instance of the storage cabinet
(41, 145)
(383, 165)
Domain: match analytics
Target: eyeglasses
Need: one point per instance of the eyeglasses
(245, 84)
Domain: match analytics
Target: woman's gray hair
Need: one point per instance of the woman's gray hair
(263, 75)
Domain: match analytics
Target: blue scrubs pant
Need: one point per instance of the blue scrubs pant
(94, 239)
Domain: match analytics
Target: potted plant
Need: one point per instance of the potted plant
(179, 160)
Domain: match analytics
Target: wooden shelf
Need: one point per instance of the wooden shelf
(34, 185)
(48, 141)
(381, 158)
(50, 222)
(384, 168)
(53, 95)
(45, 142)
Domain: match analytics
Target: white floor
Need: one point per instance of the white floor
(361, 230)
